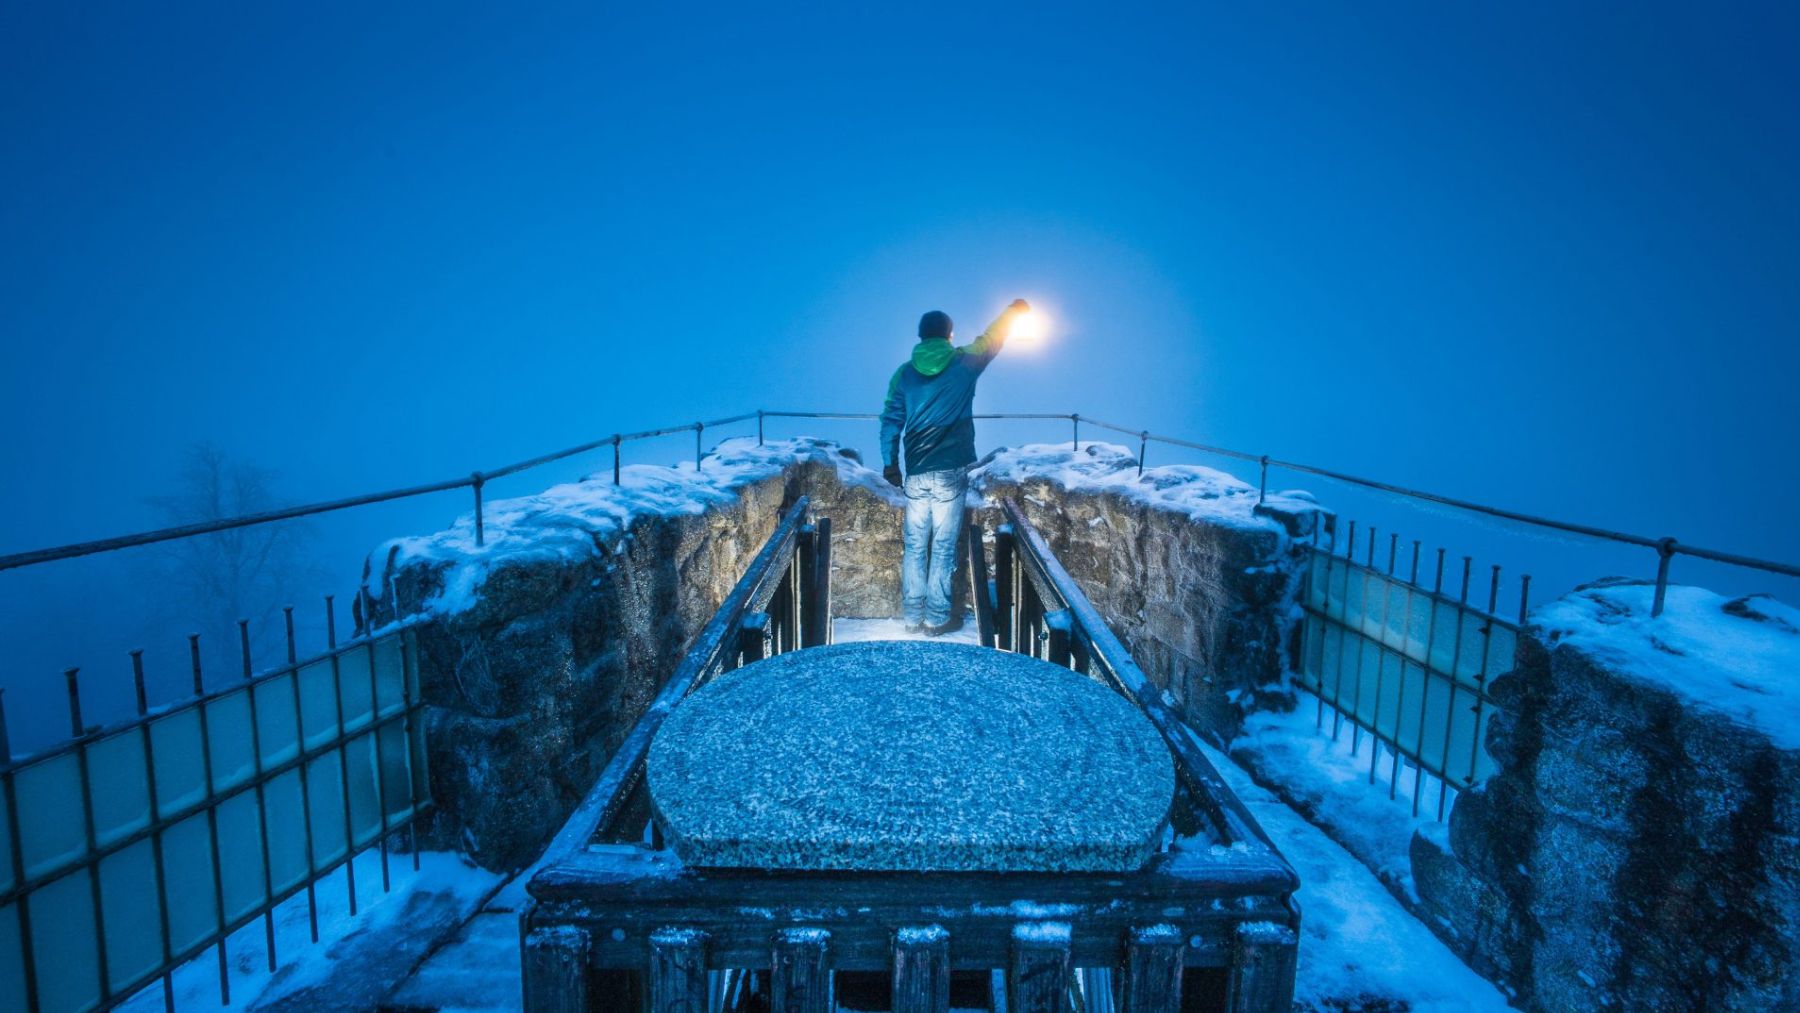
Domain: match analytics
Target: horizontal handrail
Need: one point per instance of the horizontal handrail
(1664, 547)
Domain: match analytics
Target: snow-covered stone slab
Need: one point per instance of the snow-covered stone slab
(910, 756)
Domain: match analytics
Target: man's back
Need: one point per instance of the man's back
(931, 400)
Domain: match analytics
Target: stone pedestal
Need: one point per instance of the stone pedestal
(910, 756)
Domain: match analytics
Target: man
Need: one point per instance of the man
(930, 401)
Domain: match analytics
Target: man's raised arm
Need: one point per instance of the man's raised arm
(994, 338)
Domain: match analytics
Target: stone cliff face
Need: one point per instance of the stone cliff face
(1639, 847)
(540, 649)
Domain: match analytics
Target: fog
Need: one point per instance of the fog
(1536, 258)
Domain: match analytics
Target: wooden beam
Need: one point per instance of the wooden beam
(1262, 970)
(1150, 975)
(555, 968)
(678, 970)
(800, 973)
(755, 636)
(921, 969)
(1037, 977)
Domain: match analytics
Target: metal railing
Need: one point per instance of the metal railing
(1666, 548)
(1408, 665)
(131, 849)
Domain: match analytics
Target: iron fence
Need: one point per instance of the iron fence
(131, 849)
(1406, 664)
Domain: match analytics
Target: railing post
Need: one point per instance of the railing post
(1058, 647)
(1262, 968)
(1143, 448)
(1150, 975)
(556, 969)
(806, 556)
(699, 430)
(759, 427)
(921, 970)
(1037, 974)
(1262, 489)
(755, 631)
(477, 481)
(1074, 432)
(678, 970)
(800, 978)
(616, 440)
(1665, 551)
(9, 800)
(1005, 596)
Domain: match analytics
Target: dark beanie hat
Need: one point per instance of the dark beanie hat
(935, 324)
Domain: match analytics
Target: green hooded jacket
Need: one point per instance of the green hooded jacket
(931, 398)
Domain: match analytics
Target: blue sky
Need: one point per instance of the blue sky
(1539, 255)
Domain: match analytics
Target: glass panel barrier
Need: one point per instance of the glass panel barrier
(326, 803)
(118, 785)
(129, 906)
(287, 831)
(240, 856)
(228, 736)
(51, 829)
(180, 763)
(276, 722)
(62, 945)
(12, 959)
(188, 873)
(318, 703)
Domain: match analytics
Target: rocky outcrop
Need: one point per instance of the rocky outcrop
(1193, 574)
(1639, 847)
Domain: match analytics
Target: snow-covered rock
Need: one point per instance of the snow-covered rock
(1190, 570)
(1639, 847)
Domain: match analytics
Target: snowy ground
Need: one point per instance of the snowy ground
(1328, 779)
(850, 631)
(1359, 949)
(443, 878)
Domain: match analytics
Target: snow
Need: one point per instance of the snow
(1327, 779)
(301, 962)
(1047, 933)
(572, 521)
(851, 631)
(1738, 657)
(1359, 949)
(1199, 493)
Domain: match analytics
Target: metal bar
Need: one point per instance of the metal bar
(92, 865)
(699, 433)
(1665, 550)
(1262, 487)
(476, 481)
(337, 700)
(156, 842)
(1450, 708)
(183, 531)
(615, 443)
(262, 801)
(759, 427)
(27, 957)
(1143, 450)
(212, 820)
(1437, 589)
(312, 865)
(36, 556)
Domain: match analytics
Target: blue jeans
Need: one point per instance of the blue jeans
(934, 518)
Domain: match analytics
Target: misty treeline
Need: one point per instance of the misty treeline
(207, 583)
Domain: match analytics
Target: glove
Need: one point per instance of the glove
(1020, 306)
(892, 474)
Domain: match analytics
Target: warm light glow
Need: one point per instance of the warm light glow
(1028, 327)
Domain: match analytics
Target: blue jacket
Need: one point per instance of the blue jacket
(931, 400)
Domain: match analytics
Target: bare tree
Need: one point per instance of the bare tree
(207, 583)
